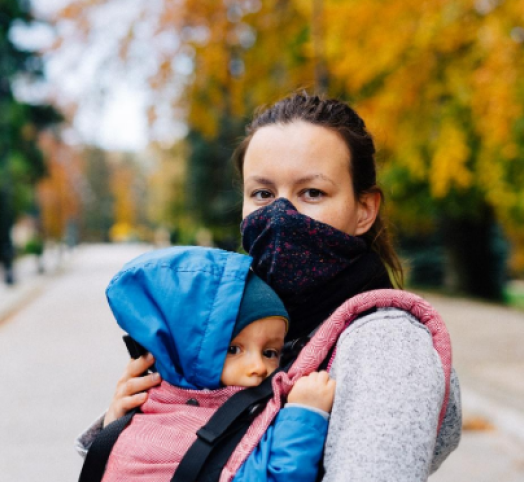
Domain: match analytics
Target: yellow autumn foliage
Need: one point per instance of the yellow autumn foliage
(439, 82)
(59, 191)
(448, 165)
(125, 198)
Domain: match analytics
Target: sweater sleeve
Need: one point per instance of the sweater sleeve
(84, 441)
(290, 450)
(390, 389)
(451, 430)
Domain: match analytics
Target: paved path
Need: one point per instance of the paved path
(488, 354)
(28, 282)
(62, 355)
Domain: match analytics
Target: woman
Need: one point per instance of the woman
(312, 223)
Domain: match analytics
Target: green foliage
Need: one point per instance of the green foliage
(211, 194)
(425, 259)
(99, 206)
(514, 294)
(34, 246)
(21, 161)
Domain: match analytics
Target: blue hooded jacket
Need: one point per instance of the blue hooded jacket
(181, 304)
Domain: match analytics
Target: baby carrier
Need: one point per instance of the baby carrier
(187, 435)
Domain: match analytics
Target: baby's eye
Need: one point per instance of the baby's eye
(271, 354)
(233, 350)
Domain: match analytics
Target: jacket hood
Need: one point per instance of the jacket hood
(181, 304)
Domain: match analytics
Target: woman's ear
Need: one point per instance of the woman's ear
(368, 207)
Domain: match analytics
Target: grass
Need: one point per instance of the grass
(514, 294)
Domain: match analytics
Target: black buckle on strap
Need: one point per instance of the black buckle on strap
(207, 436)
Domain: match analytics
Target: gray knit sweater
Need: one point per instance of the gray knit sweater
(390, 388)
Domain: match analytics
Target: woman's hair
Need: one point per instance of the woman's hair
(339, 117)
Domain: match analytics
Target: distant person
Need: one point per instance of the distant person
(6, 259)
(210, 324)
(7, 250)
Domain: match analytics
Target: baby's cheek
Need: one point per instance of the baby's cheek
(273, 366)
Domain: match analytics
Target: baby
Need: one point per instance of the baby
(212, 325)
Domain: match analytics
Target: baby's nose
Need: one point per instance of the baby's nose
(257, 366)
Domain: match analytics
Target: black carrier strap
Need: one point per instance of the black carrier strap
(205, 459)
(218, 438)
(208, 455)
(98, 454)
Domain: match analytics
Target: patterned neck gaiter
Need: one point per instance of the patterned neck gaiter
(312, 266)
(294, 253)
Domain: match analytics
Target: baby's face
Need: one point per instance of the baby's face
(254, 353)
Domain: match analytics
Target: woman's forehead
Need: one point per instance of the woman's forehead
(296, 149)
(296, 136)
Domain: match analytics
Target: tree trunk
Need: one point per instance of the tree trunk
(476, 255)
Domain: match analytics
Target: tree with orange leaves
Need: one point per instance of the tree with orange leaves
(440, 84)
(59, 192)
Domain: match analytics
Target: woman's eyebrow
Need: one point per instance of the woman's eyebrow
(259, 180)
(313, 177)
(302, 180)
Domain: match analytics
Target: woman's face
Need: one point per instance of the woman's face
(308, 165)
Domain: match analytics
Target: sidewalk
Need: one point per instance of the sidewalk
(28, 282)
(488, 354)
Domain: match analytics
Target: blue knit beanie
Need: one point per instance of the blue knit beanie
(258, 301)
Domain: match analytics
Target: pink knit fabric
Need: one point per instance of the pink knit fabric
(318, 348)
(150, 449)
(155, 441)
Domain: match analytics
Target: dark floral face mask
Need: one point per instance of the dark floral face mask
(294, 253)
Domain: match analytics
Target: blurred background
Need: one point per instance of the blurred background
(118, 119)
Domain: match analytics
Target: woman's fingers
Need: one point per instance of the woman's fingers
(131, 388)
(123, 406)
(136, 367)
(133, 401)
(135, 385)
(132, 380)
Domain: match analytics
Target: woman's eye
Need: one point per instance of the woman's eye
(271, 354)
(233, 350)
(313, 193)
(262, 195)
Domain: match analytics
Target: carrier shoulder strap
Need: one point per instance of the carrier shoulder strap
(215, 442)
(205, 459)
(320, 345)
(317, 350)
(98, 454)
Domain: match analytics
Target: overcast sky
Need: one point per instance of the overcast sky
(111, 104)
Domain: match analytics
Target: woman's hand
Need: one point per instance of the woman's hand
(131, 388)
(315, 390)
